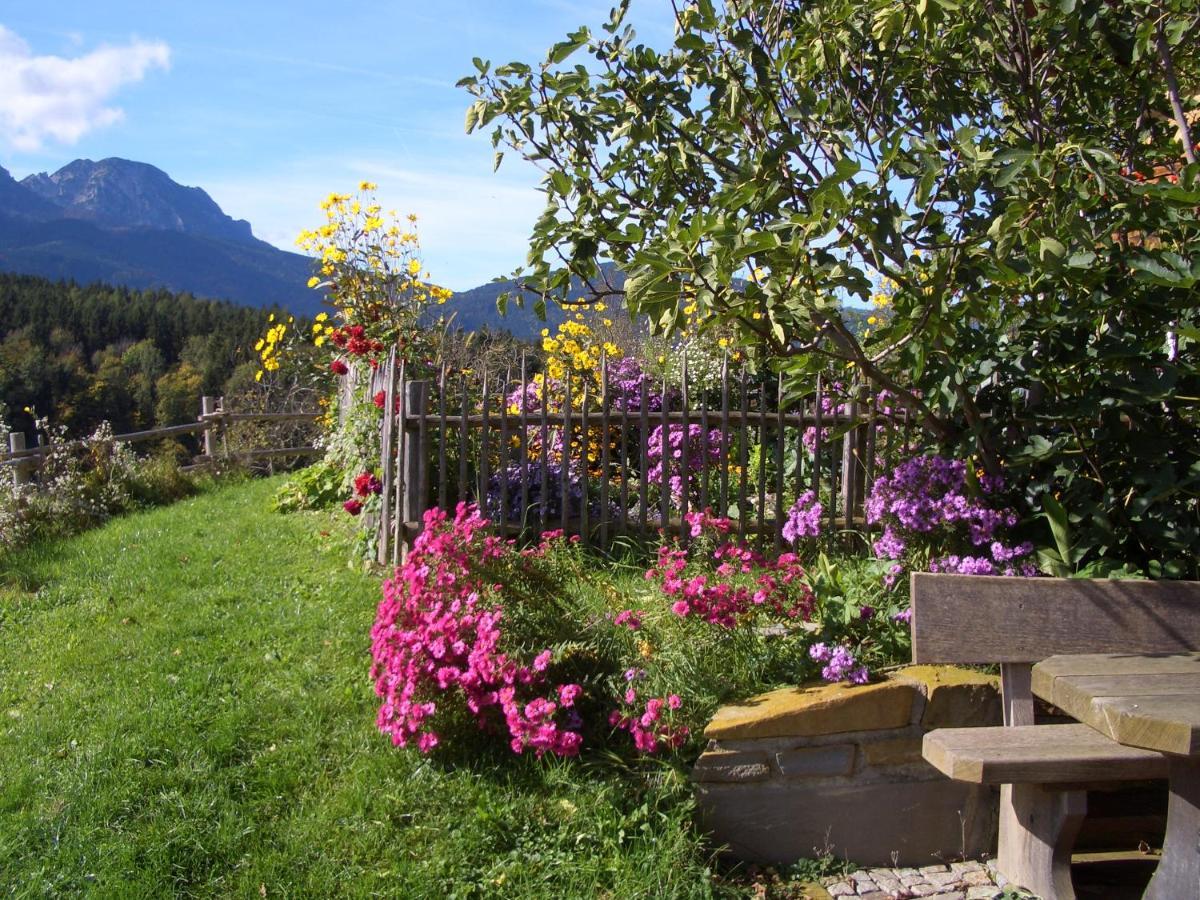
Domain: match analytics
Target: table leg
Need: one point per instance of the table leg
(1178, 874)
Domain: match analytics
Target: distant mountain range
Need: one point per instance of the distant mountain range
(128, 223)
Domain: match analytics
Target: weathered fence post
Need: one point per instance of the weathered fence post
(415, 461)
(854, 464)
(208, 407)
(22, 471)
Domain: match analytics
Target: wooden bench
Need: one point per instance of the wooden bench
(1043, 770)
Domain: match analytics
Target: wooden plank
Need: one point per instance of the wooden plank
(1038, 827)
(584, 442)
(726, 443)
(989, 619)
(484, 450)
(565, 457)
(504, 447)
(676, 416)
(524, 444)
(684, 455)
(1178, 873)
(780, 506)
(1074, 691)
(544, 505)
(1016, 693)
(1037, 754)
(643, 456)
(443, 477)
(744, 460)
(705, 471)
(464, 444)
(623, 450)
(1169, 723)
(1110, 665)
(605, 440)
(664, 486)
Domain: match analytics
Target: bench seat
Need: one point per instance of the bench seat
(1037, 754)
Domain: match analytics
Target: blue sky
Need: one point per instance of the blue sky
(269, 106)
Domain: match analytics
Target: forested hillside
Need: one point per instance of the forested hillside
(83, 354)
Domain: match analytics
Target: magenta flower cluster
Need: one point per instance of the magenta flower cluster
(648, 722)
(697, 459)
(744, 583)
(438, 638)
(804, 518)
(927, 497)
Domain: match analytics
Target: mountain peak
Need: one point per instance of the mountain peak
(122, 193)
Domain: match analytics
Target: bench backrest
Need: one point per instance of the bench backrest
(1016, 622)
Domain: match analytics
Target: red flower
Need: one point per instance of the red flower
(339, 367)
(352, 506)
(366, 484)
(379, 399)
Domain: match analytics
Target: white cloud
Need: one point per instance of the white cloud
(55, 98)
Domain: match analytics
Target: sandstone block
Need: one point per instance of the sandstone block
(894, 752)
(731, 766)
(816, 709)
(817, 762)
(955, 698)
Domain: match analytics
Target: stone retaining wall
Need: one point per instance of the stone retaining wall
(837, 769)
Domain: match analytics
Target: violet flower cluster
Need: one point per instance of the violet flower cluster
(804, 518)
(677, 479)
(928, 495)
(840, 663)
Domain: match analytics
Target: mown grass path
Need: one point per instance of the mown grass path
(185, 710)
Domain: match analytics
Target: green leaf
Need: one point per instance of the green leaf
(1051, 250)
(1056, 517)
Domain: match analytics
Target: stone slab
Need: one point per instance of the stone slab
(778, 822)
(816, 709)
(731, 766)
(893, 752)
(818, 762)
(955, 697)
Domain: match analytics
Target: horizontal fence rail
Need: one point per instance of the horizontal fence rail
(628, 459)
(210, 424)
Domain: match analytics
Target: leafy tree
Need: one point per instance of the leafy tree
(1021, 172)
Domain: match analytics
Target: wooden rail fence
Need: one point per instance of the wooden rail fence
(25, 460)
(594, 465)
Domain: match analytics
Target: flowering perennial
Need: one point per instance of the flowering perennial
(777, 586)
(437, 638)
(929, 495)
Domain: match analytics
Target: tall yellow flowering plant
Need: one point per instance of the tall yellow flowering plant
(369, 264)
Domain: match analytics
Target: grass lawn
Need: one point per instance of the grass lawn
(185, 710)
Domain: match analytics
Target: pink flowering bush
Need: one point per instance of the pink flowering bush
(742, 584)
(438, 641)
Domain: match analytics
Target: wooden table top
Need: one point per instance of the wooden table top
(1141, 701)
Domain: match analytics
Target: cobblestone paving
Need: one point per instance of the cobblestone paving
(956, 881)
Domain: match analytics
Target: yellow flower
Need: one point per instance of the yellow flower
(871, 320)
(321, 317)
(367, 186)
(314, 281)
(414, 267)
(258, 375)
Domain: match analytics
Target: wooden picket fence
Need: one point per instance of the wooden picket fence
(24, 458)
(454, 438)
